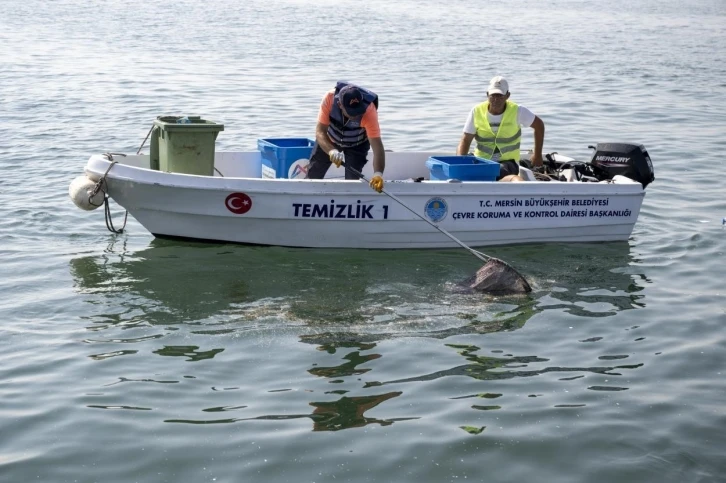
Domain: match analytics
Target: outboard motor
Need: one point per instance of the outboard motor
(629, 160)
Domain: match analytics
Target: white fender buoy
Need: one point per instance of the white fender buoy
(80, 191)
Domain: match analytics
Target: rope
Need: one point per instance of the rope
(109, 220)
(481, 256)
(147, 137)
(102, 185)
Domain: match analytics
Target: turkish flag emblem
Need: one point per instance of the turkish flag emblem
(238, 203)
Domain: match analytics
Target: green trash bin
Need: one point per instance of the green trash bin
(184, 144)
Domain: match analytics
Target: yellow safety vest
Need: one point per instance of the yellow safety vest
(507, 138)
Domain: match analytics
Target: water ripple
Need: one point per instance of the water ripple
(310, 365)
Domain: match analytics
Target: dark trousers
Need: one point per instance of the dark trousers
(506, 168)
(355, 157)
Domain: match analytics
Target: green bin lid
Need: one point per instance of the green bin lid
(196, 123)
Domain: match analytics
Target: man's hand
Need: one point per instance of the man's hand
(536, 160)
(377, 182)
(336, 157)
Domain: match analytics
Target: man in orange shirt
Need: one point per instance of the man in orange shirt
(347, 128)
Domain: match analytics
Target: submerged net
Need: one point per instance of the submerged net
(499, 278)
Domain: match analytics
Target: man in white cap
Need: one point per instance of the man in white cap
(495, 124)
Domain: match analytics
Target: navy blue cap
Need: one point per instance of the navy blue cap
(352, 100)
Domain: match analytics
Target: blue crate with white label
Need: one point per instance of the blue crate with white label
(283, 157)
(464, 168)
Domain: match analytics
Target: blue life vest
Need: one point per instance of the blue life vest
(344, 131)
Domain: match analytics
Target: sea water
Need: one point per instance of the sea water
(125, 358)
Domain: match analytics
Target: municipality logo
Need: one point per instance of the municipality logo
(298, 169)
(436, 209)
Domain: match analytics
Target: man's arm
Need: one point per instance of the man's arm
(464, 144)
(379, 155)
(321, 136)
(539, 132)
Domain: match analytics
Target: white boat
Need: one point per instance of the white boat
(238, 205)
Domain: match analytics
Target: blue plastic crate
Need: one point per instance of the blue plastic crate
(464, 168)
(279, 155)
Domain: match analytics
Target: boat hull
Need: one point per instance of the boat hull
(334, 213)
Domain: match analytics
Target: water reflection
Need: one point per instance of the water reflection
(192, 352)
(343, 303)
(590, 280)
(345, 413)
(174, 282)
(348, 368)
(511, 366)
(348, 412)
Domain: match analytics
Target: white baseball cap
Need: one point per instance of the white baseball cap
(498, 85)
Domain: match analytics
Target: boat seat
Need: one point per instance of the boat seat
(526, 174)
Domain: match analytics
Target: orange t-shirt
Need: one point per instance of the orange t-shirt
(369, 121)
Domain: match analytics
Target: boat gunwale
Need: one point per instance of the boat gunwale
(98, 165)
